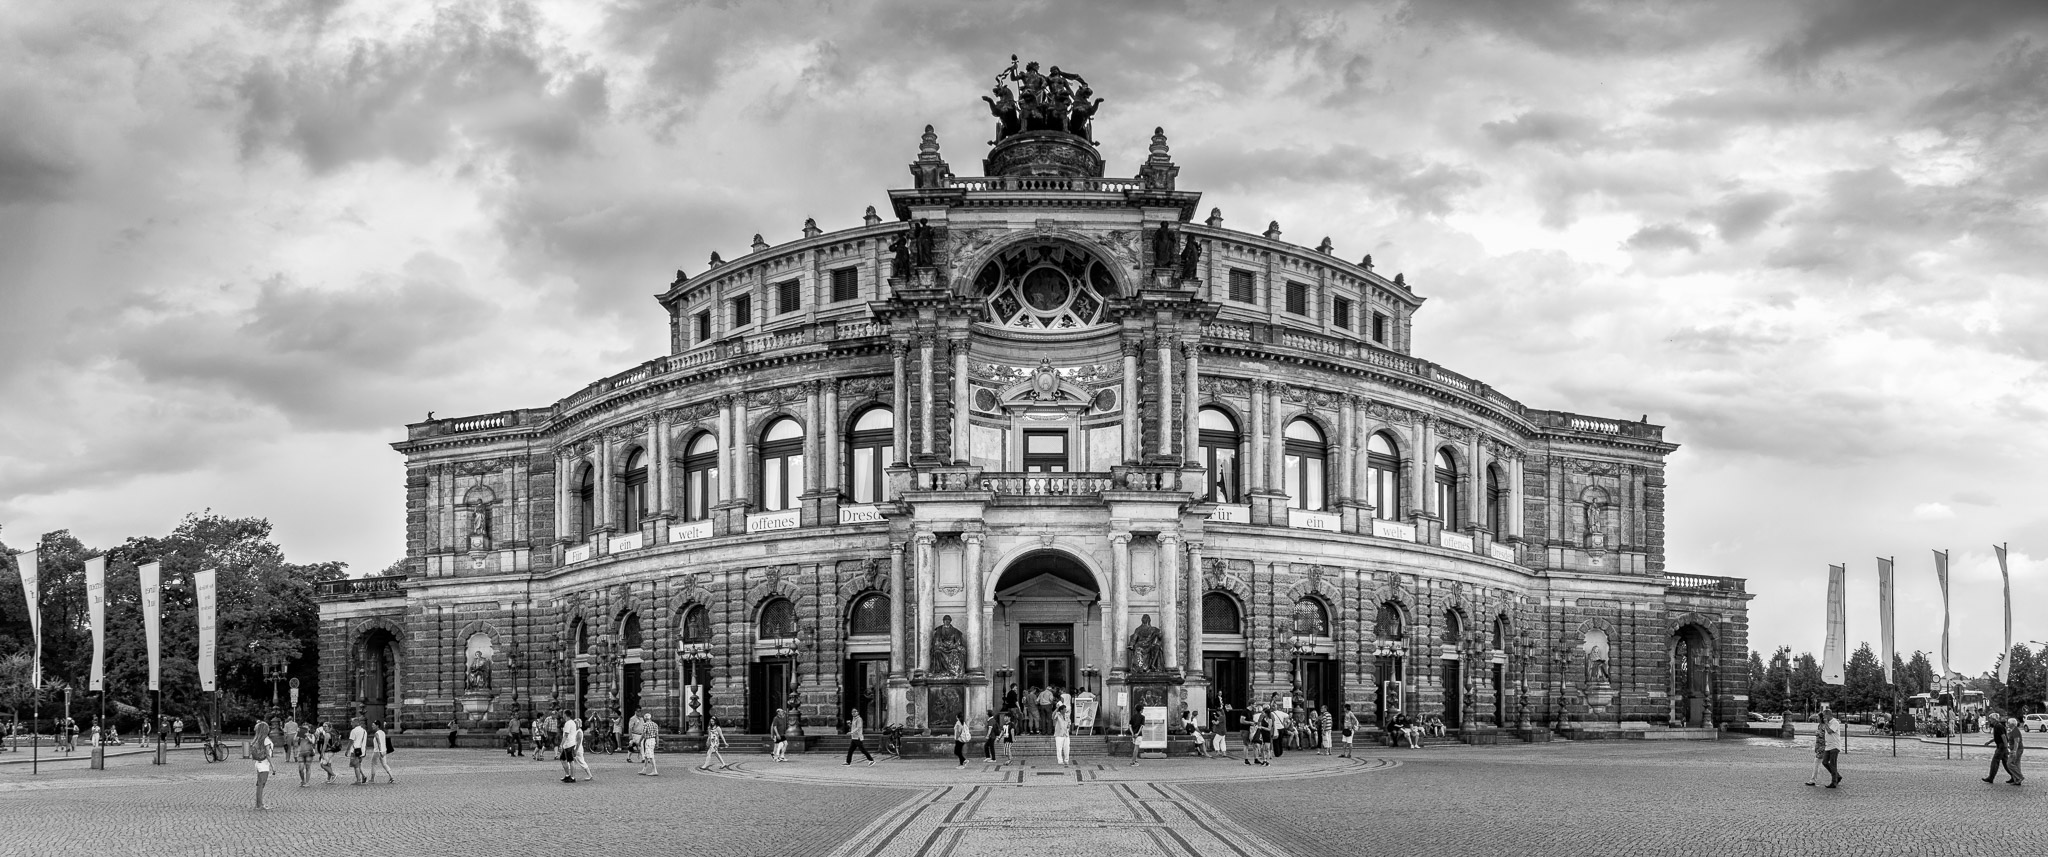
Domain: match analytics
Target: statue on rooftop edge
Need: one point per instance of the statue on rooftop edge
(1054, 100)
(899, 255)
(1190, 259)
(1164, 247)
(921, 244)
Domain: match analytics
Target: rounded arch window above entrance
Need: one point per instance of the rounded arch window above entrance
(1046, 284)
(1220, 615)
(778, 619)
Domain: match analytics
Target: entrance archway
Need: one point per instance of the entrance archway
(377, 674)
(1047, 628)
(1692, 671)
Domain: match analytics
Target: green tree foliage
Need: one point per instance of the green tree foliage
(1756, 681)
(1808, 691)
(2021, 692)
(1919, 675)
(1863, 686)
(1775, 692)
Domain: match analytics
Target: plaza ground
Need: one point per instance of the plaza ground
(1738, 796)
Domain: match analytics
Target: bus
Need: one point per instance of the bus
(1932, 711)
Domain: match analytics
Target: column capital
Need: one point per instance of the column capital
(1169, 538)
(1119, 539)
(925, 540)
(972, 538)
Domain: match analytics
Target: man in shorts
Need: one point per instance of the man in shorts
(647, 734)
(570, 750)
(358, 744)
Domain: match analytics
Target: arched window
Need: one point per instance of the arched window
(1383, 477)
(782, 465)
(1389, 624)
(1220, 615)
(1454, 626)
(700, 477)
(1496, 501)
(635, 484)
(870, 615)
(1304, 464)
(1311, 618)
(872, 447)
(778, 619)
(629, 632)
(1220, 441)
(1446, 500)
(586, 502)
(1498, 639)
(580, 633)
(696, 624)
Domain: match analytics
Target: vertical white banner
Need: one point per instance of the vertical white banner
(1941, 574)
(1836, 656)
(2005, 654)
(151, 601)
(96, 615)
(1884, 615)
(202, 584)
(30, 587)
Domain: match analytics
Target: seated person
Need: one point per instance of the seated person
(1402, 727)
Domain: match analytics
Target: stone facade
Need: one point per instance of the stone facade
(1000, 439)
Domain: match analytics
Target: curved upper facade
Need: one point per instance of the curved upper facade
(1051, 412)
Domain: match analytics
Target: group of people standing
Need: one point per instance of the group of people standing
(306, 744)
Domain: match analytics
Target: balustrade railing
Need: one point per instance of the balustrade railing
(1044, 183)
(1703, 581)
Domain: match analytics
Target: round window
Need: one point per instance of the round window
(1045, 285)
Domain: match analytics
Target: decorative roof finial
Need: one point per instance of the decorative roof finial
(1325, 247)
(1400, 279)
(1159, 155)
(1273, 230)
(759, 245)
(681, 278)
(1215, 220)
(811, 229)
(1366, 262)
(870, 218)
(928, 148)
(715, 261)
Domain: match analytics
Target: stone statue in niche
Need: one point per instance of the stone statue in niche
(1594, 644)
(480, 528)
(1148, 647)
(921, 244)
(1594, 501)
(1165, 247)
(479, 677)
(899, 257)
(949, 649)
(1190, 259)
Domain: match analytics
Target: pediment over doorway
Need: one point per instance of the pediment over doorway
(1046, 587)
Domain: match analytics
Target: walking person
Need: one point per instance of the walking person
(1044, 700)
(1010, 737)
(961, 735)
(1137, 732)
(2015, 747)
(519, 727)
(380, 747)
(1830, 745)
(1347, 728)
(646, 734)
(178, 731)
(856, 739)
(714, 741)
(778, 729)
(303, 751)
(1062, 739)
(571, 750)
(259, 750)
(326, 743)
(358, 746)
(990, 727)
(2001, 752)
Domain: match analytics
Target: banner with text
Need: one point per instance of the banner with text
(1941, 574)
(1836, 656)
(1884, 614)
(29, 587)
(151, 598)
(202, 583)
(96, 616)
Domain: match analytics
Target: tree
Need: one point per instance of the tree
(1863, 682)
(1808, 691)
(1920, 672)
(1770, 695)
(1756, 681)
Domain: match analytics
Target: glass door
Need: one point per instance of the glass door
(1044, 671)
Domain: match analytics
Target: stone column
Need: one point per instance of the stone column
(1193, 593)
(1169, 586)
(927, 590)
(1165, 396)
(1132, 440)
(896, 660)
(1276, 448)
(1191, 444)
(607, 517)
(976, 639)
(814, 439)
(1361, 472)
(829, 425)
(1514, 498)
(728, 448)
(960, 403)
(1475, 494)
(662, 493)
(898, 351)
(1120, 570)
(742, 441)
(925, 345)
(1339, 488)
(1253, 459)
(565, 470)
(1418, 467)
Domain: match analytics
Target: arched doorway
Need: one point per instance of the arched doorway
(1047, 626)
(1692, 671)
(377, 674)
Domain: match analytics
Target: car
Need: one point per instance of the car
(2034, 723)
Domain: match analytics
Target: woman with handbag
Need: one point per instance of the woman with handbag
(259, 750)
(961, 735)
(714, 740)
(1349, 729)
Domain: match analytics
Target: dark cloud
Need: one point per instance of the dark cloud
(35, 167)
(466, 77)
(1739, 217)
(1844, 25)
(1663, 236)
(1593, 28)
(1413, 185)
(1566, 130)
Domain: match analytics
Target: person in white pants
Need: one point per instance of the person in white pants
(1062, 738)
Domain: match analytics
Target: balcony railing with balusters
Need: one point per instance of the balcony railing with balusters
(1703, 581)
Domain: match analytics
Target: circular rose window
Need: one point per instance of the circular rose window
(1046, 285)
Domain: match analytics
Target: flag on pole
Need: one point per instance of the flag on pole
(1884, 614)
(2005, 654)
(1836, 656)
(202, 583)
(151, 598)
(29, 587)
(1941, 574)
(96, 614)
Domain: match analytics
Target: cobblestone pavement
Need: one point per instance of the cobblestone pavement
(1695, 798)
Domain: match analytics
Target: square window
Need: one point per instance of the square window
(1340, 313)
(788, 296)
(1241, 287)
(845, 284)
(1297, 298)
(704, 326)
(1379, 327)
(742, 311)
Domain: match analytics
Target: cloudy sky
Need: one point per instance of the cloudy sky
(242, 244)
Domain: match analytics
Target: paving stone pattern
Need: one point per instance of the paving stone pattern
(1705, 798)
